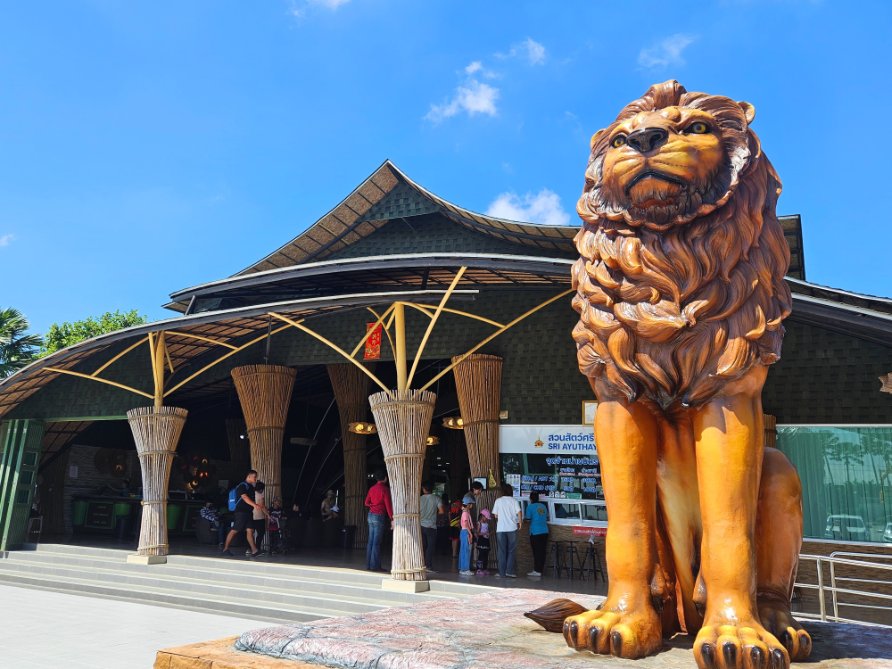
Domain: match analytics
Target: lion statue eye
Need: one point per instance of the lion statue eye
(618, 141)
(698, 128)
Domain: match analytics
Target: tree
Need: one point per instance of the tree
(17, 348)
(62, 335)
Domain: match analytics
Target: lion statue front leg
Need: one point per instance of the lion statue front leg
(729, 449)
(627, 625)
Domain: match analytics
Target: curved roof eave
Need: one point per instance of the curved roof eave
(493, 261)
(225, 328)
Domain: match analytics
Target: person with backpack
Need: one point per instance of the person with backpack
(243, 497)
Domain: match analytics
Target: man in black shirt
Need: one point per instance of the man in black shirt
(244, 514)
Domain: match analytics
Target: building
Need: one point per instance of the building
(388, 254)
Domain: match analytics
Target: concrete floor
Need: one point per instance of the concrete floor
(43, 629)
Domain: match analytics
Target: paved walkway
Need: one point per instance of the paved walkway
(50, 629)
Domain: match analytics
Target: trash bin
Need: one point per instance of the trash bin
(348, 534)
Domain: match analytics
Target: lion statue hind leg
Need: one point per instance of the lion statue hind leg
(778, 542)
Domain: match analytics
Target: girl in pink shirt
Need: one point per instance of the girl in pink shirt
(465, 540)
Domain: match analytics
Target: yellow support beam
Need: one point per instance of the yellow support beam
(433, 322)
(331, 345)
(118, 357)
(97, 379)
(495, 334)
(399, 325)
(368, 334)
(215, 342)
(222, 358)
(427, 310)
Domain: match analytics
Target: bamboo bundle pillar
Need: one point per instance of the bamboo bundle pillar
(478, 384)
(264, 392)
(156, 431)
(351, 391)
(403, 419)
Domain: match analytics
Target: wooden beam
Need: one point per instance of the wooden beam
(433, 322)
(496, 334)
(98, 379)
(222, 358)
(399, 324)
(331, 345)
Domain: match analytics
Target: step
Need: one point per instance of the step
(206, 571)
(238, 605)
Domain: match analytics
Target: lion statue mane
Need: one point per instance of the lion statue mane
(675, 287)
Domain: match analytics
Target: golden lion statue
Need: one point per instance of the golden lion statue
(681, 296)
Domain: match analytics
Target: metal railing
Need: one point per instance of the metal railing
(867, 563)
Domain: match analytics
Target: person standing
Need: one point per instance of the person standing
(329, 507)
(507, 512)
(244, 513)
(430, 508)
(380, 507)
(259, 514)
(466, 539)
(483, 522)
(537, 514)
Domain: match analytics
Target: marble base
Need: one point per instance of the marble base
(483, 631)
(405, 586)
(146, 559)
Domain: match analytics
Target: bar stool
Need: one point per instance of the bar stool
(591, 562)
(571, 559)
(557, 558)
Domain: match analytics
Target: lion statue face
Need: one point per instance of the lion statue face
(668, 158)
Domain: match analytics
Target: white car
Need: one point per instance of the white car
(845, 528)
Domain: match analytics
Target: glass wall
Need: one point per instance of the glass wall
(846, 474)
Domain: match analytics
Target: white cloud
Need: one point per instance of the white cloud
(472, 97)
(544, 207)
(298, 8)
(665, 52)
(533, 51)
(6, 240)
(474, 67)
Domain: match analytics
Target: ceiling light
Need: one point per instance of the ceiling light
(362, 428)
(454, 423)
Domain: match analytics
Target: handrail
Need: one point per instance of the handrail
(832, 560)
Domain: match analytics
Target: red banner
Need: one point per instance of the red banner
(373, 342)
(583, 531)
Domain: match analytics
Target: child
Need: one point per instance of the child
(276, 526)
(483, 542)
(465, 540)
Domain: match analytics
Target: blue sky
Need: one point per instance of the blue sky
(150, 146)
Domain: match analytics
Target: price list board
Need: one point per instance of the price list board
(562, 476)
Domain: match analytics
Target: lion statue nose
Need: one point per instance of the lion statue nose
(647, 139)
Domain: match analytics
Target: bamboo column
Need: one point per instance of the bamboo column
(264, 392)
(351, 391)
(156, 431)
(403, 419)
(478, 384)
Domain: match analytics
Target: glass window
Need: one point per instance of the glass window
(846, 474)
(564, 510)
(594, 512)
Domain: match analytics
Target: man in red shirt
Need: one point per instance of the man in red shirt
(380, 512)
